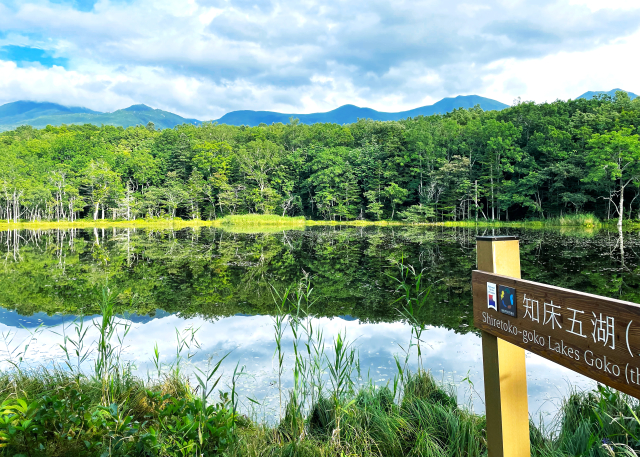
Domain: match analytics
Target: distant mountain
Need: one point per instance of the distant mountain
(40, 115)
(16, 112)
(347, 114)
(589, 95)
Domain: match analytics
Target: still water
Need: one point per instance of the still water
(221, 283)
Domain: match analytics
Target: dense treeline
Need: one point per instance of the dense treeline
(527, 161)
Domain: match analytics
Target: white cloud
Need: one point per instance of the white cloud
(204, 58)
(567, 74)
(595, 5)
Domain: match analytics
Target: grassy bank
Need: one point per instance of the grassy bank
(571, 220)
(270, 222)
(426, 421)
(55, 413)
(261, 220)
(262, 223)
(106, 223)
(245, 222)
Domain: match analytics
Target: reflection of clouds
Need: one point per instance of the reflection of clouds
(250, 341)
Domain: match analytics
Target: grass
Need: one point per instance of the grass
(331, 409)
(262, 223)
(106, 223)
(575, 220)
(65, 410)
(261, 220)
(361, 223)
(238, 223)
(425, 421)
(588, 221)
(250, 223)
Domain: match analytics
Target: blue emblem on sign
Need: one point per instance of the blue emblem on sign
(507, 301)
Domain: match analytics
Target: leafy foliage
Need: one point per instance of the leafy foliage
(526, 161)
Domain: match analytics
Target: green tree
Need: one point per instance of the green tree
(174, 193)
(615, 156)
(396, 195)
(101, 183)
(501, 151)
(195, 192)
(258, 160)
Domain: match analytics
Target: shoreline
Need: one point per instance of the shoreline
(269, 221)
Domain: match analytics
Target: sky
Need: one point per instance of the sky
(204, 58)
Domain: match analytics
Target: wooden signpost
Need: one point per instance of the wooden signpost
(596, 336)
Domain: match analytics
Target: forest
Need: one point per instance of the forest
(528, 161)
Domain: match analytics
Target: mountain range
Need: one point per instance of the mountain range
(347, 114)
(41, 114)
(589, 95)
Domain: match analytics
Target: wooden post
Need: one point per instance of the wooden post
(505, 375)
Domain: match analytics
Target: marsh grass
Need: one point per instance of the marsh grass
(266, 220)
(272, 223)
(427, 421)
(65, 410)
(598, 423)
(586, 221)
(240, 223)
(261, 219)
(574, 220)
(151, 223)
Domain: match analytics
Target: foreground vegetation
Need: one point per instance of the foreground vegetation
(56, 414)
(330, 411)
(527, 161)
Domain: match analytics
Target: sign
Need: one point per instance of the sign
(596, 336)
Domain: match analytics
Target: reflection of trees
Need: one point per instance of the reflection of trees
(213, 273)
(12, 240)
(621, 244)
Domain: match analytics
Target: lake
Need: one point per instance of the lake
(221, 283)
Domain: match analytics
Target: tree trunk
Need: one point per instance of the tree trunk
(621, 207)
(492, 201)
(95, 214)
(476, 201)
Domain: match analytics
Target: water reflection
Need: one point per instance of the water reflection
(449, 355)
(222, 282)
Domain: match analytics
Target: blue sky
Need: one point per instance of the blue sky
(203, 58)
(26, 55)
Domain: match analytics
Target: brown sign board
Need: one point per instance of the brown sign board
(596, 336)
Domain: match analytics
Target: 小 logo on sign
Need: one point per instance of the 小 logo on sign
(492, 297)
